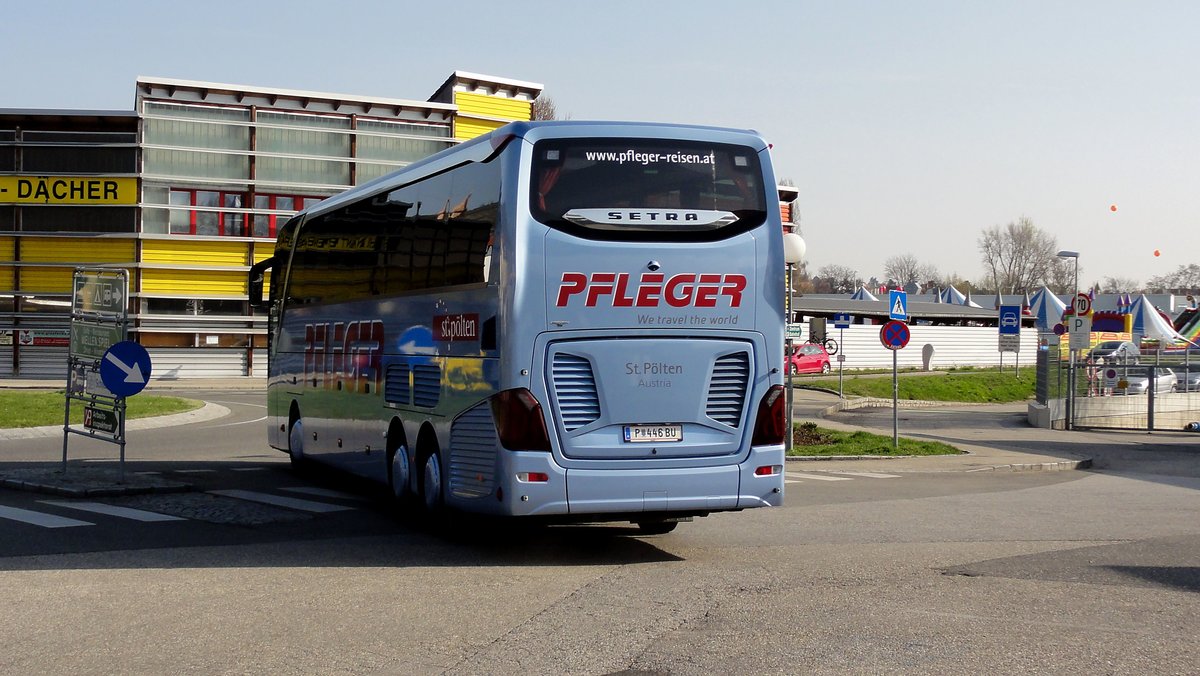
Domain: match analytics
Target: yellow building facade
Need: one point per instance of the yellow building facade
(186, 192)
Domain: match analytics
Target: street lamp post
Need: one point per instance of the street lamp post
(793, 252)
(1071, 377)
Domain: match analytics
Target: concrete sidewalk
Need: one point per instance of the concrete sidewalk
(989, 445)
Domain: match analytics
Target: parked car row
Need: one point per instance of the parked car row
(1187, 377)
(1114, 352)
(1138, 379)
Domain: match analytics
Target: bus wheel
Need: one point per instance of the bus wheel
(398, 474)
(296, 441)
(431, 483)
(656, 527)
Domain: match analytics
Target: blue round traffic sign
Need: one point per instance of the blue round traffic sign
(894, 334)
(125, 368)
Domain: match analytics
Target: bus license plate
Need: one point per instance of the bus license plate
(653, 433)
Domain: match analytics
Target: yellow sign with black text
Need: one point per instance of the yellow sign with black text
(68, 190)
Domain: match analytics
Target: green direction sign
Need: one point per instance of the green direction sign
(99, 292)
(93, 340)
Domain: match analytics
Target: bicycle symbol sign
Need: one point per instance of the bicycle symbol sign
(894, 335)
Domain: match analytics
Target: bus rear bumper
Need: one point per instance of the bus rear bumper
(692, 490)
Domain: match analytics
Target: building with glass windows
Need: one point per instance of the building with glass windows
(186, 192)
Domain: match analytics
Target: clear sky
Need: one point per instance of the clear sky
(907, 126)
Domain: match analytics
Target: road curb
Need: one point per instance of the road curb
(88, 482)
(875, 402)
(1061, 465)
(209, 411)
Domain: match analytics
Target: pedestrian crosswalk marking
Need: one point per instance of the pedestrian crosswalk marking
(817, 477)
(113, 510)
(798, 477)
(281, 501)
(322, 492)
(39, 519)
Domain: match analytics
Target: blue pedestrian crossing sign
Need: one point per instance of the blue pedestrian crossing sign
(897, 305)
(125, 368)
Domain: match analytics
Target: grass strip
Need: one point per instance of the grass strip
(810, 440)
(38, 408)
(967, 387)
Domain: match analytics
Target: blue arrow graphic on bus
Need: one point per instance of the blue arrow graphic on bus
(133, 374)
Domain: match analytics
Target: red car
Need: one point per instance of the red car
(809, 358)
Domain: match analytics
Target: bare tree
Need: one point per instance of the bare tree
(957, 281)
(906, 268)
(543, 108)
(1120, 285)
(1018, 256)
(1061, 275)
(1185, 280)
(839, 278)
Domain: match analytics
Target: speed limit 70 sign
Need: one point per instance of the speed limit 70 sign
(1082, 304)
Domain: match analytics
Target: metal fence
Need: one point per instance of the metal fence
(1159, 391)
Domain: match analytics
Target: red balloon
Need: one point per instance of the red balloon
(1113, 208)
(1157, 252)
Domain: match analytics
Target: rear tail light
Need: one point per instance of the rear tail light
(533, 477)
(519, 421)
(771, 419)
(768, 470)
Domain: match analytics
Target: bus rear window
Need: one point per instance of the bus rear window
(647, 189)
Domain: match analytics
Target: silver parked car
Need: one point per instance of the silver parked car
(1138, 378)
(1187, 377)
(1115, 352)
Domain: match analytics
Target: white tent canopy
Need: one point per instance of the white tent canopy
(1046, 308)
(1148, 323)
(863, 294)
(956, 297)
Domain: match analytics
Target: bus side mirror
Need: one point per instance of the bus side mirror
(254, 285)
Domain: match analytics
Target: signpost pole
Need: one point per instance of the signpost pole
(787, 439)
(895, 402)
(894, 336)
(66, 419)
(841, 364)
(121, 423)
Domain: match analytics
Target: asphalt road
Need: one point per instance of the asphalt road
(955, 572)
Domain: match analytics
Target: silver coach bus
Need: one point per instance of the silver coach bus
(576, 320)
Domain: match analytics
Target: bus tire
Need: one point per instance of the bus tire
(399, 474)
(432, 498)
(296, 438)
(656, 527)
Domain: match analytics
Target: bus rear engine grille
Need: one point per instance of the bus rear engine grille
(575, 390)
(473, 454)
(727, 388)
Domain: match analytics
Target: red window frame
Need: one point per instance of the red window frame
(222, 222)
(299, 203)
